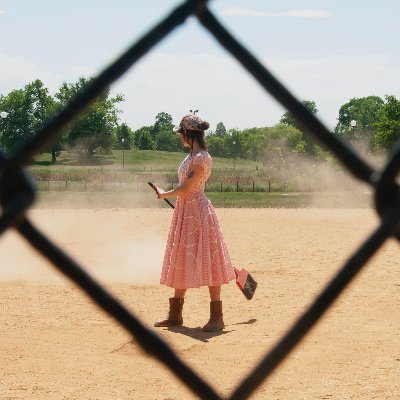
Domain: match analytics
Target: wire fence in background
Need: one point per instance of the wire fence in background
(17, 194)
(268, 186)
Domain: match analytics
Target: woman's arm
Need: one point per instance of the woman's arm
(192, 179)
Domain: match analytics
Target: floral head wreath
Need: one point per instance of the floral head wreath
(190, 122)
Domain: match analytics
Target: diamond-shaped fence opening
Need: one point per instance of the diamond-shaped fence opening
(17, 194)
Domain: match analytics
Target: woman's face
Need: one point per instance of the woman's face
(184, 140)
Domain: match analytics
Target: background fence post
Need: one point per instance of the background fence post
(269, 186)
(237, 186)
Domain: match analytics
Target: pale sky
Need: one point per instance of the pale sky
(328, 51)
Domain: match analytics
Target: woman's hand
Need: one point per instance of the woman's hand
(160, 193)
(192, 179)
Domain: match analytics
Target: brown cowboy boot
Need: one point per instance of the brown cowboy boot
(216, 322)
(174, 315)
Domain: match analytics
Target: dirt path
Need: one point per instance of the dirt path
(57, 345)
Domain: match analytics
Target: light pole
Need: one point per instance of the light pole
(123, 153)
(3, 114)
(234, 154)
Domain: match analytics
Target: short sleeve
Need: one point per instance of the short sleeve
(199, 160)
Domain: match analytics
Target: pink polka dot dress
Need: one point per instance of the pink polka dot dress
(195, 254)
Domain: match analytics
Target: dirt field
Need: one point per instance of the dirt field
(55, 344)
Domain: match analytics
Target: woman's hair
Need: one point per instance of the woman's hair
(199, 136)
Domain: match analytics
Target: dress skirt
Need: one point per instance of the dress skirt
(196, 254)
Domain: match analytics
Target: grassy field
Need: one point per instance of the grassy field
(106, 182)
(291, 200)
(135, 165)
(136, 159)
(219, 200)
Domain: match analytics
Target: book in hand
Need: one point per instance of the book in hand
(245, 282)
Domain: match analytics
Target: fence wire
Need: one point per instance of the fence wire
(17, 194)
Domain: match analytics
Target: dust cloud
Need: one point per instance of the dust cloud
(97, 200)
(327, 179)
(113, 245)
(128, 261)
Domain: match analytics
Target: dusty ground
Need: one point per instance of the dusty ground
(55, 344)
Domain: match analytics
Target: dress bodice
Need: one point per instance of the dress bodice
(201, 158)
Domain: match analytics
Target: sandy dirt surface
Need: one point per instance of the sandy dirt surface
(56, 344)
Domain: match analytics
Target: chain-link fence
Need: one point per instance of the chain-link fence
(17, 194)
(267, 186)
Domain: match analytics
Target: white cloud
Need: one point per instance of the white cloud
(16, 72)
(333, 79)
(81, 70)
(221, 89)
(215, 85)
(247, 12)
(306, 14)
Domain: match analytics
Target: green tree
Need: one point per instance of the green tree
(216, 145)
(387, 124)
(253, 143)
(168, 141)
(227, 145)
(143, 139)
(271, 145)
(95, 129)
(364, 111)
(280, 143)
(287, 118)
(124, 132)
(163, 123)
(44, 106)
(220, 130)
(18, 124)
(27, 108)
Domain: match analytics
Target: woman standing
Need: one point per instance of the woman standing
(196, 254)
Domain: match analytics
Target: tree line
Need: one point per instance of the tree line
(372, 121)
(27, 110)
